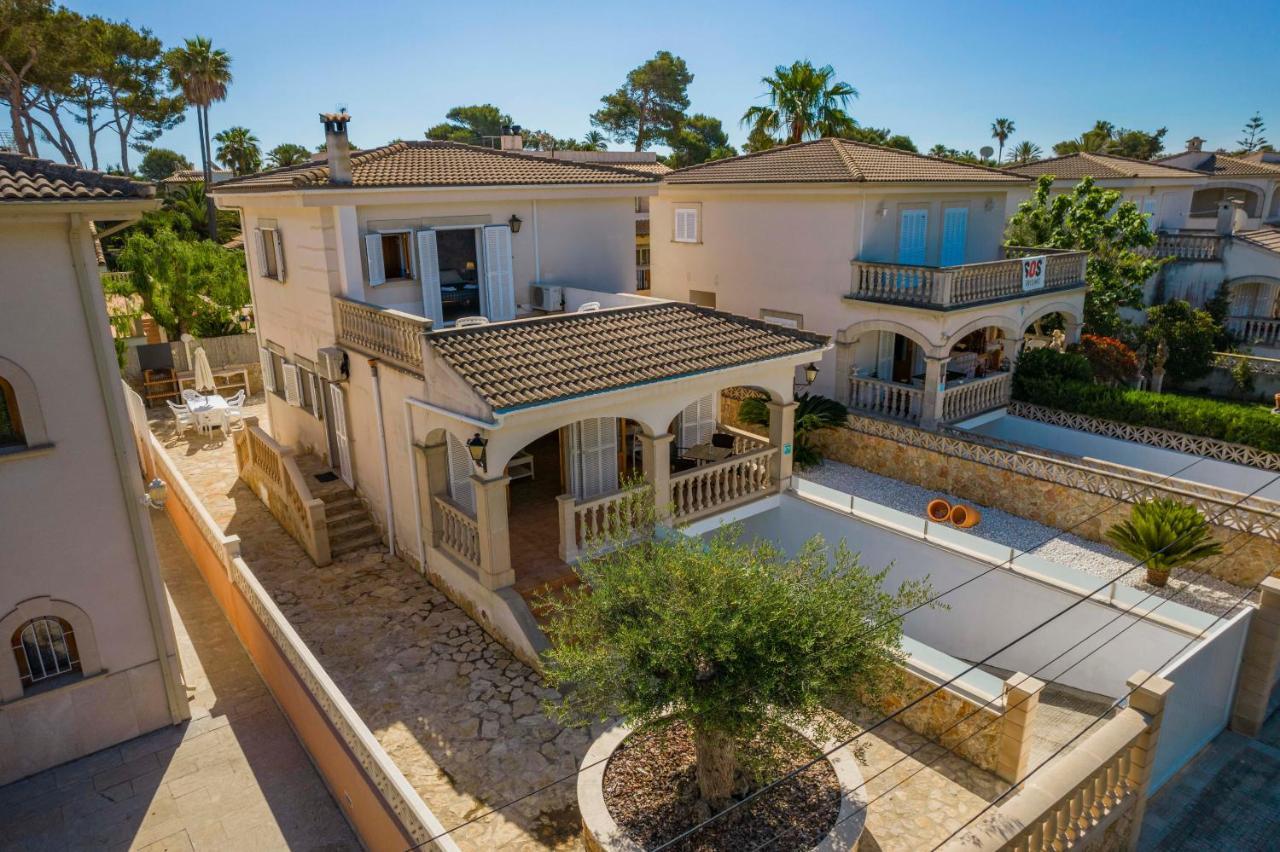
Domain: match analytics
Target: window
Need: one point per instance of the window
(45, 648)
(687, 225)
(270, 253)
(272, 363)
(11, 434)
(643, 281)
(309, 391)
(642, 256)
(642, 204)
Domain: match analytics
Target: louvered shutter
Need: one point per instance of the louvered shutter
(698, 422)
(373, 253)
(317, 404)
(260, 251)
(429, 263)
(955, 231)
(884, 356)
(338, 405)
(686, 224)
(268, 375)
(911, 237)
(275, 236)
(595, 456)
(460, 467)
(499, 278)
(292, 392)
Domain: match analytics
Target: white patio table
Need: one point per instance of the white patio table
(210, 411)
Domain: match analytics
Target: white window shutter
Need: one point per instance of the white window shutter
(698, 422)
(595, 456)
(338, 405)
(686, 224)
(460, 467)
(275, 235)
(499, 277)
(268, 375)
(317, 404)
(429, 263)
(292, 391)
(373, 252)
(260, 251)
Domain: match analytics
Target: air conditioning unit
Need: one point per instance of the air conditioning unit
(331, 363)
(548, 297)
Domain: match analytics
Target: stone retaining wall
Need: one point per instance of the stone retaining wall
(1050, 503)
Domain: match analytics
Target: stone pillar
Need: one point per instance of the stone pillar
(1021, 699)
(565, 505)
(1011, 350)
(1148, 699)
(495, 538)
(1259, 663)
(935, 371)
(1072, 332)
(433, 481)
(655, 456)
(782, 434)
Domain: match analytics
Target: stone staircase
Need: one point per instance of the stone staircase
(350, 525)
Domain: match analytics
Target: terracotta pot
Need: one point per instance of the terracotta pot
(1157, 578)
(938, 510)
(601, 834)
(965, 516)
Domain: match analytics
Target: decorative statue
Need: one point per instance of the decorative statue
(1058, 341)
(1157, 370)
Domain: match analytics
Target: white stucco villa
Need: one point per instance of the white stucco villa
(897, 256)
(90, 658)
(454, 330)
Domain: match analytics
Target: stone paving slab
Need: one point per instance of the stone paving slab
(232, 778)
(457, 713)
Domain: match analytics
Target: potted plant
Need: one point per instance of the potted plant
(1164, 534)
(716, 653)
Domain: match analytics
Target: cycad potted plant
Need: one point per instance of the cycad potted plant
(1164, 534)
(719, 656)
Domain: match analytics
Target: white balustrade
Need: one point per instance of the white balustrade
(976, 396)
(1255, 331)
(888, 399)
(459, 532)
(393, 336)
(712, 488)
(969, 283)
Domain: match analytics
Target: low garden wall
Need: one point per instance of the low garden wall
(1068, 496)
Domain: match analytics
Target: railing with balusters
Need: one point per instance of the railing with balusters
(716, 487)
(393, 336)
(273, 474)
(976, 396)
(1182, 245)
(966, 284)
(888, 399)
(1255, 331)
(604, 521)
(459, 532)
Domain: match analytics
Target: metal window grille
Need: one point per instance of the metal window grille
(45, 648)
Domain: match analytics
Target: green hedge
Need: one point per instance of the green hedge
(1251, 425)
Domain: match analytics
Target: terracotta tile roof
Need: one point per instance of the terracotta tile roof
(837, 161)
(438, 164)
(516, 364)
(1223, 165)
(1267, 238)
(25, 178)
(643, 168)
(1100, 166)
(196, 176)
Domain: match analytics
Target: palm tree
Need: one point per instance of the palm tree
(1164, 534)
(288, 154)
(203, 75)
(1024, 152)
(595, 141)
(1001, 130)
(942, 151)
(238, 150)
(804, 103)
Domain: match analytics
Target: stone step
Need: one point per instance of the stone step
(349, 543)
(336, 517)
(344, 506)
(351, 523)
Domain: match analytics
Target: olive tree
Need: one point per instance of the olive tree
(733, 638)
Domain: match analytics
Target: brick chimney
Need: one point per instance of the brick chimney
(1195, 143)
(511, 140)
(337, 146)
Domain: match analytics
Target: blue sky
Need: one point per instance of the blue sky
(938, 71)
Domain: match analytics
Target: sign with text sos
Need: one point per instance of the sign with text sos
(1033, 273)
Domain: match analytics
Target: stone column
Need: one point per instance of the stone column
(1259, 663)
(1011, 350)
(655, 456)
(935, 371)
(1071, 330)
(495, 538)
(433, 481)
(565, 505)
(1148, 699)
(782, 434)
(1021, 699)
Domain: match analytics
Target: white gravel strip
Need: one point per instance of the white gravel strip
(1207, 594)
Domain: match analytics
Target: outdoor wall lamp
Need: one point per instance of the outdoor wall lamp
(477, 446)
(515, 223)
(810, 376)
(155, 496)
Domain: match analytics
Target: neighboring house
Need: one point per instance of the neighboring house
(189, 176)
(90, 658)
(896, 255)
(645, 162)
(394, 294)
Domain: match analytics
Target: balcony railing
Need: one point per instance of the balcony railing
(974, 397)
(1255, 331)
(906, 402)
(888, 399)
(393, 336)
(968, 284)
(1189, 245)
(712, 488)
(459, 533)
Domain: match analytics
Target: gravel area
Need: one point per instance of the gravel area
(650, 788)
(1186, 585)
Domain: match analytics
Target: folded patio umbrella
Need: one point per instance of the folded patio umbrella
(203, 372)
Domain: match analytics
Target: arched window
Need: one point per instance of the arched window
(45, 648)
(11, 434)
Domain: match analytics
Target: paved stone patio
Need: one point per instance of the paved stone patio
(462, 718)
(233, 778)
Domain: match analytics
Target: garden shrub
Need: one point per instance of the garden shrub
(1112, 361)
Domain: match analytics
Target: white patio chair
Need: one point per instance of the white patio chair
(588, 307)
(183, 419)
(234, 410)
(190, 396)
(468, 322)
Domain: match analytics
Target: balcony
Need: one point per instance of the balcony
(1189, 245)
(393, 336)
(950, 287)
(961, 400)
(1255, 331)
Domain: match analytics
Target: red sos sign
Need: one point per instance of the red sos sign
(1032, 273)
